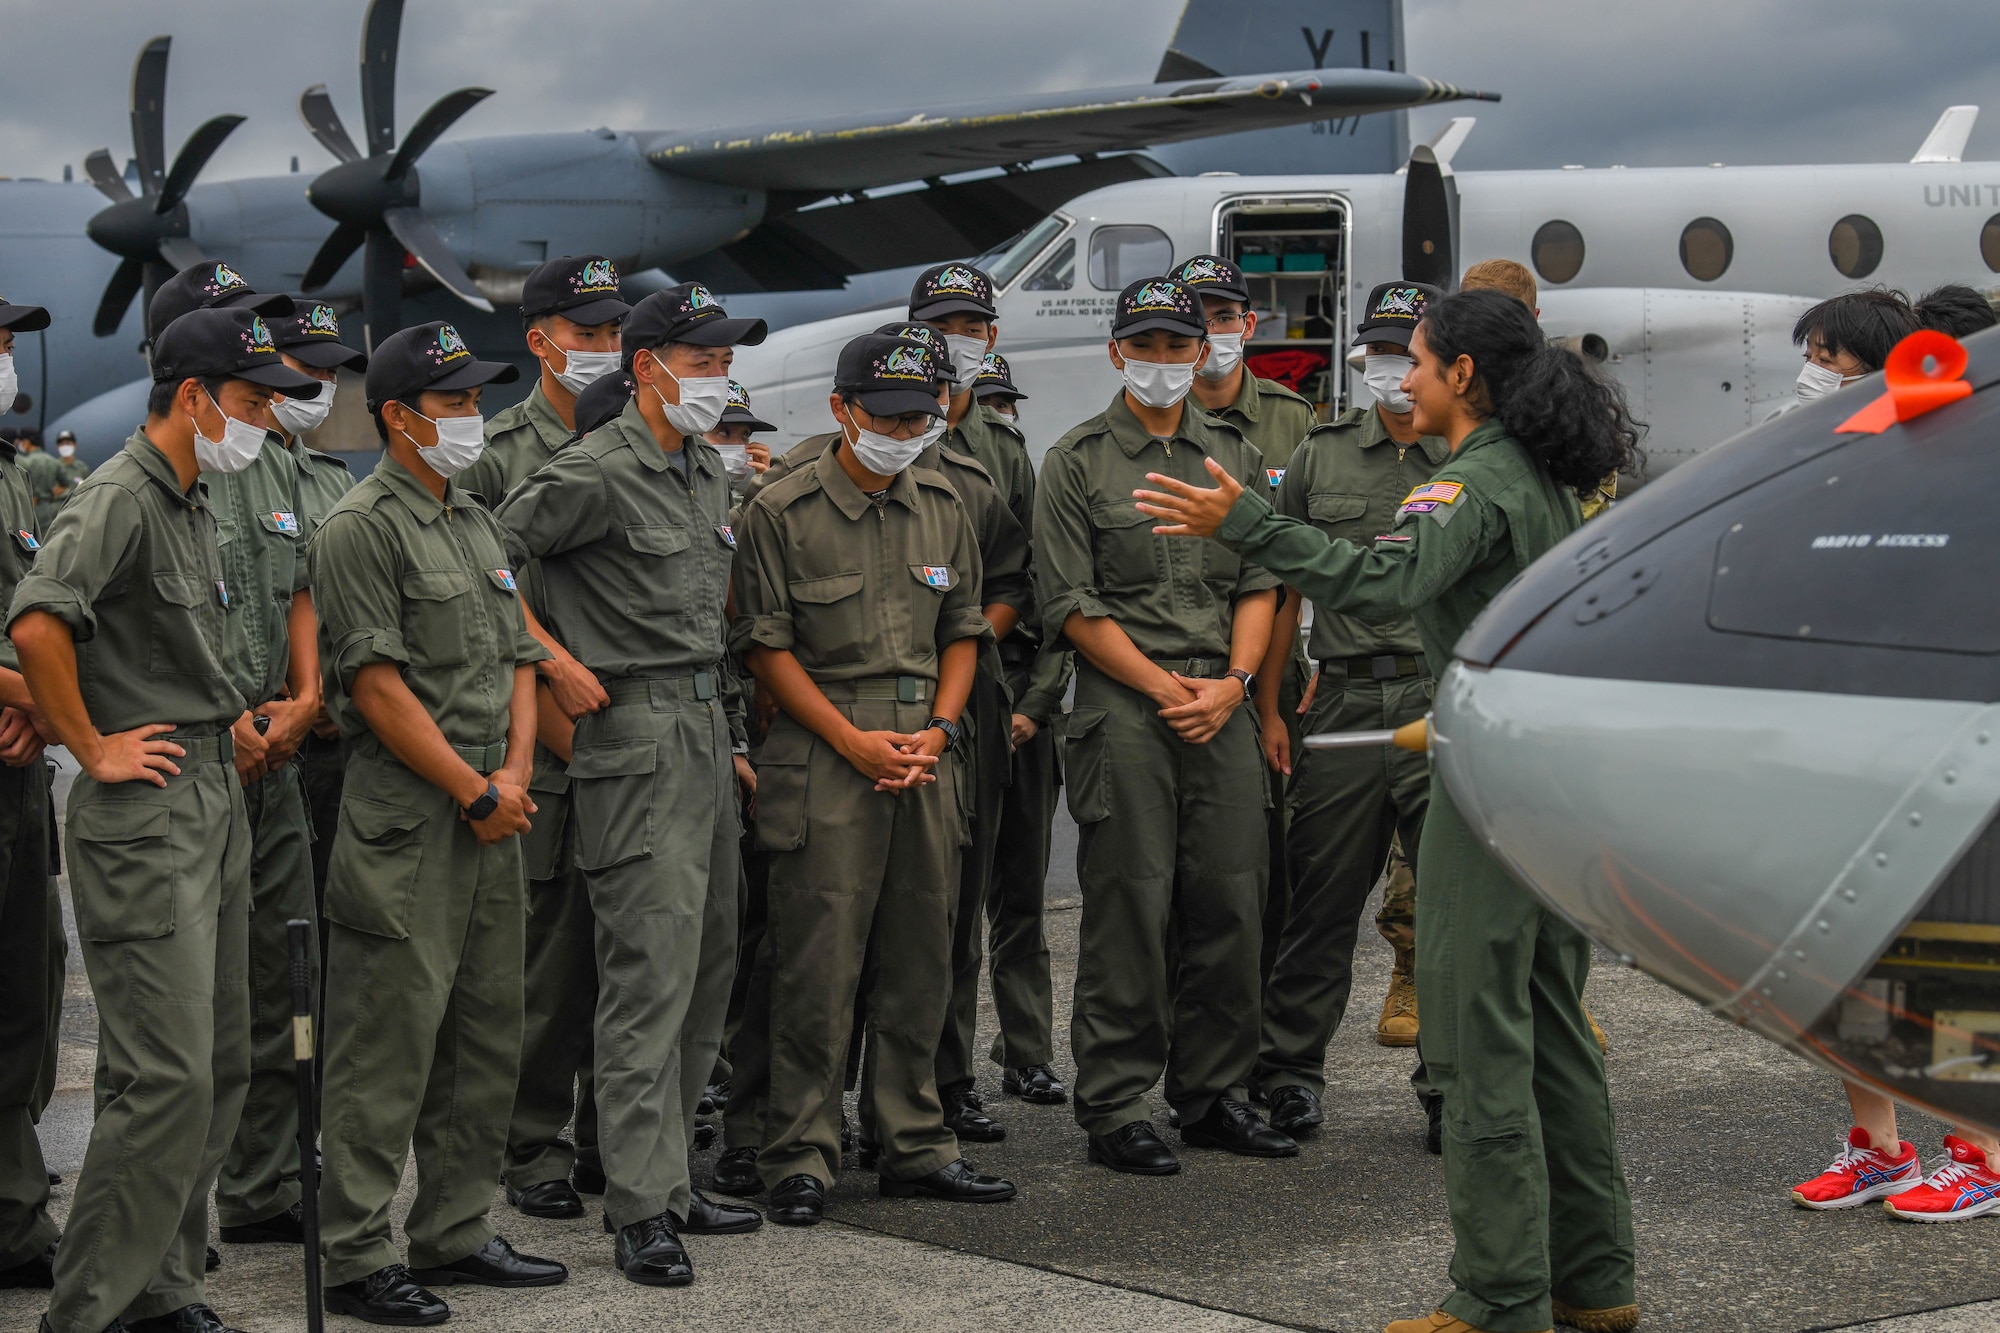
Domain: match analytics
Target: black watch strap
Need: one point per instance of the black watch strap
(488, 802)
(954, 735)
(1248, 681)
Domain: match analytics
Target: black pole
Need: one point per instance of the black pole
(299, 935)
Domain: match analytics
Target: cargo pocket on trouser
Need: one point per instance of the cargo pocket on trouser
(1087, 764)
(965, 790)
(542, 844)
(782, 764)
(122, 870)
(612, 801)
(371, 876)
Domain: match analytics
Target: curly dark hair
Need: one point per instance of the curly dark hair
(1574, 422)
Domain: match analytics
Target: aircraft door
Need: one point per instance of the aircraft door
(1294, 253)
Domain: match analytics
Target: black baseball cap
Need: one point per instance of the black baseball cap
(950, 289)
(738, 412)
(995, 379)
(602, 400)
(1212, 275)
(890, 376)
(688, 313)
(428, 356)
(208, 284)
(931, 338)
(233, 344)
(312, 335)
(581, 288)
(1157, 303)
(22, 318)
(1392, 312)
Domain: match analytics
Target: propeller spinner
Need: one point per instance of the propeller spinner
(376, 198)
(148, 231)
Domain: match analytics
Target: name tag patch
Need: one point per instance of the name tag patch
(27, 540)
(937, 576)
(222, 592)
(504, 578)
(1274, 475)
(728, 536)
(1420, 506)
(287, 521)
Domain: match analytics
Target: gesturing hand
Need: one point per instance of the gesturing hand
(1190, 511)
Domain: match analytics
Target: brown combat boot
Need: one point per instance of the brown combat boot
(1398, 1024)
(1436, 1322)
(1613, 1319)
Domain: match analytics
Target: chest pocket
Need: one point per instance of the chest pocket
(656, 578)
(438, 617)
(187, 623)
(1340, 514)
(827, 623)
(1125, 552)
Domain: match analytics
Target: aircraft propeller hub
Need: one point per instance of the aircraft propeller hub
(360, 192)
(132, 230)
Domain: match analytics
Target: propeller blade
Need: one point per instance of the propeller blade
(343, 241)
(1430, 216)
(118, 294)
(102, 169)
(194, 155)
(323, 122)
(180, 253)
(156, 275)
(149, 114)
(420, 238)
(430, 125)
(380, 33)
(381, 288)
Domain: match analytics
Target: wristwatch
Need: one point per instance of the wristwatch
(954, 735)
(1249, 681)
(485, 805)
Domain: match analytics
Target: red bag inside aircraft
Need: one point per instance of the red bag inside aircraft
(1291, 369)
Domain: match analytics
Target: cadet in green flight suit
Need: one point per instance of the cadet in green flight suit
(73, 468)
(631, 525)
(571, 310)
(126, 607)
(31, 932)
(1348, 479)
(1539, 1207)
(857, 591)
(1160, 756)
(45, 477)
(428, 669)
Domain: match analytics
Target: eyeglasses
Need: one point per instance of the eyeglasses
(1228, 320)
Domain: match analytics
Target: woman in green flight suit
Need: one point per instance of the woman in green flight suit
(1538, 1202)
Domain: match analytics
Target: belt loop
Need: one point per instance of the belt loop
(225, 747)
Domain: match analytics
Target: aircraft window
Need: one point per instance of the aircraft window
(1058, 271)
(1706, 249)
(1989, 242)
(1123, 255)
(1557, 251)
(1018, 255)
(1855, 245)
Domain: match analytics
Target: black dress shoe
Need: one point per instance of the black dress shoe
(719, 1093)
(797, 1201)
(1173, 1118)
(1295, 1110)
(551, 1198)
(869, 1154)
(966, 1117)
(211, 1260)
(187, 1319)
(1233, 1127)
(650, 1253)
(40, 1271)
(587, 1179)
(736, 1173)
(704, 1135)
(1434, 1126)
(494, 1264)
(287, 1228)
(1135, 1149)
(706, 1217)
(956, 1183)
(55, 1179)
(1034, 1083)
(387, 1296)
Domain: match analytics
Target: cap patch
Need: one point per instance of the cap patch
(258, 337)
(225, 279)
(699, 298)
(598, 275)
(1202, 270)
(957, 280)
(905, 363)
(321, 320)
(450, 346)
(738, 395)
(1159, 296)
(1400, 302)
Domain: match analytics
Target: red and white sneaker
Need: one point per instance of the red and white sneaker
(1965, 1186)
(1861, 1174)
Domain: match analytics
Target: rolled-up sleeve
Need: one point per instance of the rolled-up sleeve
(357, 591)
(763, 594)
(91, 546)
(1065, 562)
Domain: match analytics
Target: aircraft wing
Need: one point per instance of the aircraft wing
(841, 155)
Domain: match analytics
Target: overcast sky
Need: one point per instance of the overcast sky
(1590, 81)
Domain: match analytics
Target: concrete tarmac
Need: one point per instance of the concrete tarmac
(1715, 1124)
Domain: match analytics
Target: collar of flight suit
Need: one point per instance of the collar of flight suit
(1372, 431)
(638, 437)
(850, 499)
(541, 413)
(155, 464)
(416, 496)
(1132, 437)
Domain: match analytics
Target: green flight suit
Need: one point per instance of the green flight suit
(560, 968)
(69, 471)
(1165, 869)
(1532, 1176)
(160, 880)
(866, 593)
(45, 472)
(31, 970)
(1348, 479)
(323, 479)
(262, 536)
(423, 967)
(636, 558)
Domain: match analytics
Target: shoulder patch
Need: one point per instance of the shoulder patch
(1442, 492)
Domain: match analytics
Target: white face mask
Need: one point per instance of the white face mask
(1816, 382)
(1384, 377)
(704, 398)
(65, 451)
(885, 455)
(299, 415)
(10, 383)
(580, 370)
(966, 356)
(735, 462)
(237, 449)
(1225, 353)
(1158, 383)
(461, 440)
